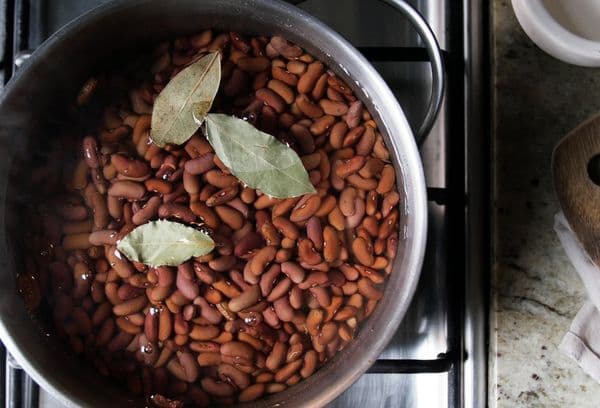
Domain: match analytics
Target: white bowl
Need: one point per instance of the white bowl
(566, 29)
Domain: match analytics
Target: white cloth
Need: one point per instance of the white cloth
(582, 341)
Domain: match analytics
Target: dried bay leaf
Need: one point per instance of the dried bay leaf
(257, 158)
(164, 243)
(186, 99)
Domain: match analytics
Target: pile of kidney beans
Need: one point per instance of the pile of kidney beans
(289, 280)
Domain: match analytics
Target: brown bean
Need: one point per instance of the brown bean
(307, 107)
(328, 333)
(331, 244)
(238, 349)
(253, 392)
(333, 108)
(296, 67)
(337, 135)
(282, 89)
(267, 279)
(365, 145)
(283, 47)
(305, 208)
(127, 326)
(130, 306)
(271, 98)
(281, 289)
(388, 224)
(368, 290)
(158, 186)
(205, 214)
(362, 183)
(103, 237)
(90, 152)
(309, 364)
(204, 332)
(273, 388)
(283, 309)
(386, 182)
(307, 253)
(219, 179)
(246, 299)
(283, 75)
(286, 227)
(308, 80)
(207, 359)
(222, 196)
(260, 260)
(229, 373)
(322, 125)
(320, 87)
(147, 212)
(277, 356)
(344, 168)
(288, 370)
(130, 190)
(354, 114)
(294, 271)
(200, 164)
(117, 261)
(128, 166)
(314, 232)
(230, 216)
(314, 279)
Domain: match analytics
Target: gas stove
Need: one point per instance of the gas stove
(438, 356)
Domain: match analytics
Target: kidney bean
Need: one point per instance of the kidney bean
(333, 108)
(90, 152)
(282, 90)
(271, 98)
(283, 47)
(177, 211)
(320, 87)
(227, 215)
(307, 253)
(130, 306)
(305, 208)
(307, 107)
(130, 190)
(251, 393)
(246, 299)
(128, 166)
(222, 196)
(288, 370)
(308, 80)
(281, 289)
(388, 224)
(283, 309)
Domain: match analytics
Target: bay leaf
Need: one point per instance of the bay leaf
(164, 242)
(186, 99)
(257, 158)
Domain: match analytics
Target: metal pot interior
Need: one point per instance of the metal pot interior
(31, 111)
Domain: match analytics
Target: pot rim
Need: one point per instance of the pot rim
(413, 183)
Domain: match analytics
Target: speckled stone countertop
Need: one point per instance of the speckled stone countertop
(535, 291)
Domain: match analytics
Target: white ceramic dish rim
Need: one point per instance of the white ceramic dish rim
(552, 37)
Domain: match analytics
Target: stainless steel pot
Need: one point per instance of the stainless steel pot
(42, 88)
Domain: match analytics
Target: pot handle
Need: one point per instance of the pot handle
(437, 64)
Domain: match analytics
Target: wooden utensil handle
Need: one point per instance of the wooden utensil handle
(578, 195)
